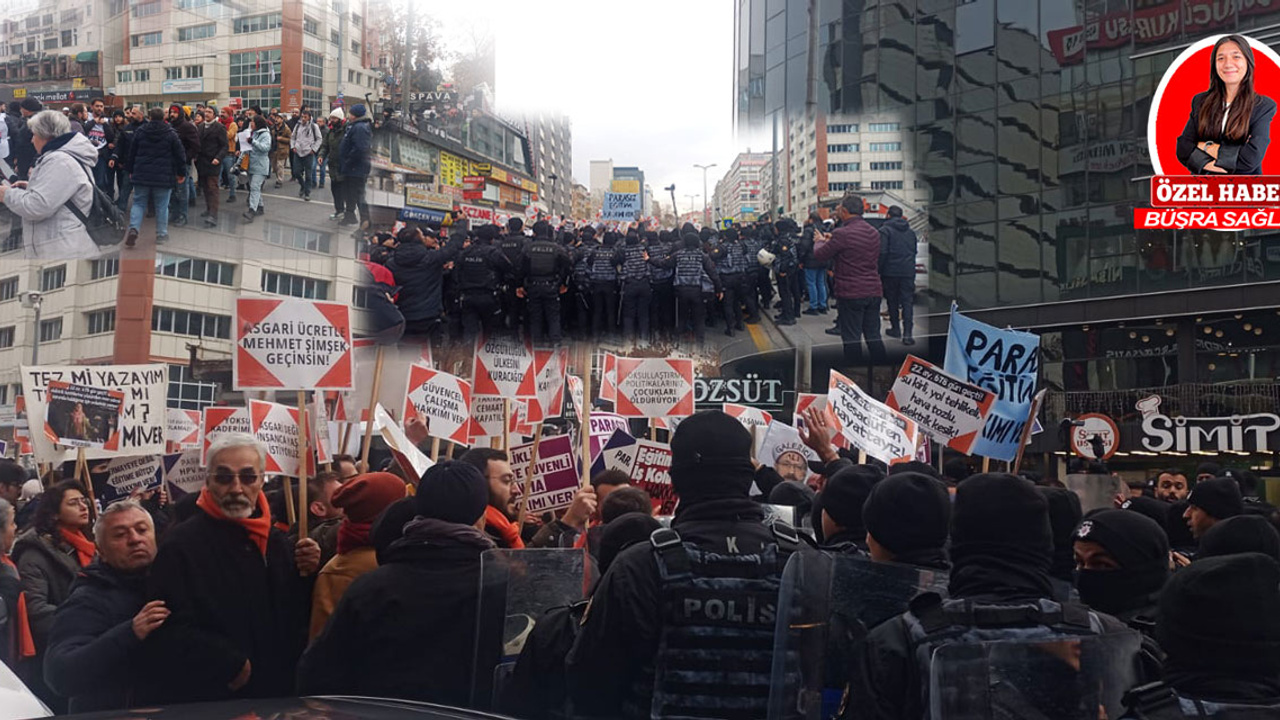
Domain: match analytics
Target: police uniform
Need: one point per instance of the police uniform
(479, 271)
(663, 310)
(604, 288)
(787, 265)
(545, 267)
(633, 259)
(690, 265)
(512, 246)
(731, 281)
(744, 263)
(580, 287)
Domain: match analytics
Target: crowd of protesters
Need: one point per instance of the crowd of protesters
(159, 162)
(214, 596)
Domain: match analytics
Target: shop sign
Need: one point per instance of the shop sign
(1101, 426)
(477, 213)
(1236, 433)
(755, 392)
(424, 196)
(188, 85)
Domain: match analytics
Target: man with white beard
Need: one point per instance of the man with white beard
(238, 591)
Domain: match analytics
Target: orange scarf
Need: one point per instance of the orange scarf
(26, 644)
(259, 528)
(85, 549)
(510, 534)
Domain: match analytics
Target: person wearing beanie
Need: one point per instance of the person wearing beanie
(1241, 534)
(355, 158)
(477, 277)
(511, 305)
(1122, 561)
(1157, 510)
(796, 495)
(1001, 553)
(1221, 637)
(1064, 516)
(543, 276)
(612, 663)
(361, 500)
(844, 497)
(955, 471)
(1212, 501)
(418, 268)
(907, 516)
(328, 159)
(1208, 470)
(407, 628)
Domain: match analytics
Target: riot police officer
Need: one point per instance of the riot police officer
(691, 264)
(604, 287)
(786, 266)
(580, 290)
(544, 270)
(663, 312)
(512, 246)
(708, 583)
(479, 271)
(633, 258)
(743, 264)
(730, 280)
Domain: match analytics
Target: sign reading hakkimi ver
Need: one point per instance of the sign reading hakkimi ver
(442, 401)
(141, 417)
(555, 476)
(654, 387)
(1007, 363)
(948, 410)
(292, 345)
(871, 426)
(126, 475)
(83, 416)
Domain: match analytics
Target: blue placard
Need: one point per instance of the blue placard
(420, 215)
(1006, 362)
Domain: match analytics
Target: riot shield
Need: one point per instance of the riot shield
(1095, 491)
(516, 588)
(829, 602)
(1065, 678)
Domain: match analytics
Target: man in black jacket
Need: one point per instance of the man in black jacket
(126, 125)
(898, 244)
(407, 629)
(100, 131)
(156, 163)
(98, 632)
(239, 593)
(22, 145)
(479, 270)
(544, 276)
(213, 150)
(190, 137)
(629, 648)
(513, 245)
(418, 266)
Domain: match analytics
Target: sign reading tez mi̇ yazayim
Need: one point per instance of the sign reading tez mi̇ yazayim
(291, 344)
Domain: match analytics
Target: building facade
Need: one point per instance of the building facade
(600, 180)
(551, 154)
(738, 196)
(582, 207)
(60, 52)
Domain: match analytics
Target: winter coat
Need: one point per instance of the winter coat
(329, 151)
(260, 152)
(355, 148)
(49, 229)
(93, 650)
(389, 638)
(283, 137)
(48, 567)
(104, 132)
(333, 581)
(189, 134)
(124, 142)
(156, 156)
(805, 249)
(854, 253)
(898, 246)
(23, 150)
(213, 146)
(228, 604)
(306, 139)
(419, 271)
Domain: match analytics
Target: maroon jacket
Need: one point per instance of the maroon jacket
(854, 252)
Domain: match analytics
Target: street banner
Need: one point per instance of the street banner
(82, 416)
(870, 426)
(555, 475)
(749, 417)
(292, 344)
(946, 409)
(549, 367)
(128, 474)
(651, 472)
(141, 419)
(486, 417)
(184, 472)
(575, 394)
(442, 401)
(654, 387)
(621, 207)
(220, 420)
(503, 366)
(182, 429)
(396, 360)
(1006, 362)
(780, 440)
(617, 453)
(276, 427)
(609, 378)
(411, 460)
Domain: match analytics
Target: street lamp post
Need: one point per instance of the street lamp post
(32, 299)
(551, 207)
(706, 199)
(691, 197)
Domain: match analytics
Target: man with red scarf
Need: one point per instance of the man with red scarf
(238, 591)
(499, 516)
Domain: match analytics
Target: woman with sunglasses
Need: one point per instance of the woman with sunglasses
(49, 556)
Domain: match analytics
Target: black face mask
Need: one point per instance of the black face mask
(1115, 591)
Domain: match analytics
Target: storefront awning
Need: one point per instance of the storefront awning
(88, 56)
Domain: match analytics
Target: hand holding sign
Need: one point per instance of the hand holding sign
(816, 433)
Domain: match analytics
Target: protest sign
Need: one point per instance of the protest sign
(806, 400)
(486, 417)
(1006, 362)
(518, 424)
(749, 417)
(609, 378)
(654, 387)
(621, 207)
(442, 401)
(667, 423)
(503, 366)
(82, 416)
(141, 418)
(127, 474)
(575, 394)
(617, 453)
(322, 439)
(947, 409)
(4, 448)
(555, 474)
(182, 429)
(411, 460)
(22, 436)
(651, 472)
(871, 426)
(292, 344)
(184, 472)
(782, 443)
(220, 420)
(549, 367)
(602, 427)
(276, 427)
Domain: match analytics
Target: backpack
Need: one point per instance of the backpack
(105, 222)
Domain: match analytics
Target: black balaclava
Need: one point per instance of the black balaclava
(843, 497)
(711, 458)
(1141, 548)
(1157, 510)
(1064, 516)
(691, 241)
(610, 239)
(623, 532)
(1239, 534)
(486, 234)
(909, 514)
(633, 238)
(1180, 537)
(1001, 540)
(793, 494)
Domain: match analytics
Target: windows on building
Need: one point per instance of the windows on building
(885, 146)
(187, 393)
(197, 269)
(843, 167)
(104, 267)
(884, 127)
(194, 71)
(141, 75)
(100, 321)
(335, 38)
(51, 43)
(310, 26)
(6, 341)
(146, 39)
(355, 47)
(187, 322)
(194, 4)
(846, 128)
(896, 165)
(197, 32)
(312, 98)
(256, 67)
(295, 285)
(298, 238)
(123, 76)
(886, 185)
(360, 297)
(172, 73)
(51, 330)
(312, 69)
(145, 9)
(262, 97)
(256, 23)
(843, 148)
(843, 186)
(10, 242)
(70, 37)
(53, 278)
(9, 288)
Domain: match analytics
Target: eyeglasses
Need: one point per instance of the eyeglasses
(248, 476)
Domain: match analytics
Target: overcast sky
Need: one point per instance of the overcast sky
(645, 83)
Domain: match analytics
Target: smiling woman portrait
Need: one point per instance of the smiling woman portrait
(1230, 123)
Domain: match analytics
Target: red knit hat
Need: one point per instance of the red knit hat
(363, 497)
